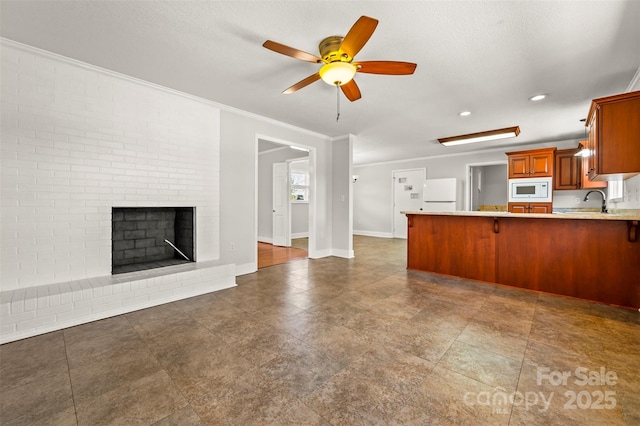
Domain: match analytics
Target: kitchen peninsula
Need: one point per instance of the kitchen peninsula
(588, 256)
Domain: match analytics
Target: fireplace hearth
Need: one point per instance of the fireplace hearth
(151, 237)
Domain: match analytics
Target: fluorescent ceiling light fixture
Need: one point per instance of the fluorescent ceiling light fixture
(537, 97)
(508, 132)
(464, 113)
(298, 148)
(337, 73)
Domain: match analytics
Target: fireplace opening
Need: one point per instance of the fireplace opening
(151, 237)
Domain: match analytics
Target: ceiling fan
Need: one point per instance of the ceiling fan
(337, 54)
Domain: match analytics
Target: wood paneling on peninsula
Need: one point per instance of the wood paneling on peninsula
(590, 258)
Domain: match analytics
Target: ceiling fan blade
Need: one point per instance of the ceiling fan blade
(358, 35)
(290, 51)
(386, 67)
(303, 83)
(351, 91)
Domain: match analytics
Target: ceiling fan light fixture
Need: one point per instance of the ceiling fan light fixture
(337, 73)
(508, 132)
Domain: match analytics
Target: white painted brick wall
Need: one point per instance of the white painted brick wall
(77, 141)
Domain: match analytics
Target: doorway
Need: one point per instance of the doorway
(407, 196)
(488, 187)
(275, 209)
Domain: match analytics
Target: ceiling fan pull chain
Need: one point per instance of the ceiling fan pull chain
(338, 101)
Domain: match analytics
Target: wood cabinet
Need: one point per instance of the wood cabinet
(531, 163)
(614, 137)
(594, 259)
(567, 168)
(530, 207)
(472, 256)
(589, 259)
(568, 171)
(584, 181)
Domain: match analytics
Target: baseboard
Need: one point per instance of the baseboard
(267, 240)
(246, 268)
(373, 234)
(299, 235)
(347, 254)
(317, 254)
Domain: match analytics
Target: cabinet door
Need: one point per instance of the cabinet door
(462, 246)
(566, 170)
(541, 165)
(585, 183)
(540, 208)
(618, 137)
(519, 207)
(518, 166)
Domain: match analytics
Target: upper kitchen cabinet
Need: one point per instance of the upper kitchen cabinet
(584, 181)
(531, 163)
(569, 170)
(614, 137)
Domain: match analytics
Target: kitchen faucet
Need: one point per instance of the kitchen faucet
(604, 199)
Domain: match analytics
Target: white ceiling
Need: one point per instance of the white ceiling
(487, 57)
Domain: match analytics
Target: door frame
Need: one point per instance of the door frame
(312, 194)
(469, 178)
(393, 193)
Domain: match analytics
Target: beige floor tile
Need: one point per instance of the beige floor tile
(29, 360)
(482, 365)
(38, 401)
(138, 402)
(332, 341)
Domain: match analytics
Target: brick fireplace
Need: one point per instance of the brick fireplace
(151, 237)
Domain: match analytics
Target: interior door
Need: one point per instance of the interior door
(280, 205)
(407, 196)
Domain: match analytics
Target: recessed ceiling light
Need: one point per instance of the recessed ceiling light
(537, 97)
(464, 113)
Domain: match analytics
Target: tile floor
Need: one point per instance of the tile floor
(336, 341)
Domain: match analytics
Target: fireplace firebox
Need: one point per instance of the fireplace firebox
(151, 237)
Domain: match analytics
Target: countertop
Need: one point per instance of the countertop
(631, 215)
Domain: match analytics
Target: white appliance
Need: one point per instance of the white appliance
(440, 195)
(530, 189)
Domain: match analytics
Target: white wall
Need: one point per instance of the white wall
(631, 193)
(299, 220)
(300, 210)
(342, 231)
(494, 185)
(77, 141)
(372, 197)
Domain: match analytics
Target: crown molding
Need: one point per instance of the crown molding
(5, 42)
(635, 82)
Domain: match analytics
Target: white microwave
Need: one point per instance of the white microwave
(530, 189)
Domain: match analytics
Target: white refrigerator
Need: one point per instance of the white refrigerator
(440, 195)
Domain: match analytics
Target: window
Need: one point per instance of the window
(299, 186)
(615, 190)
